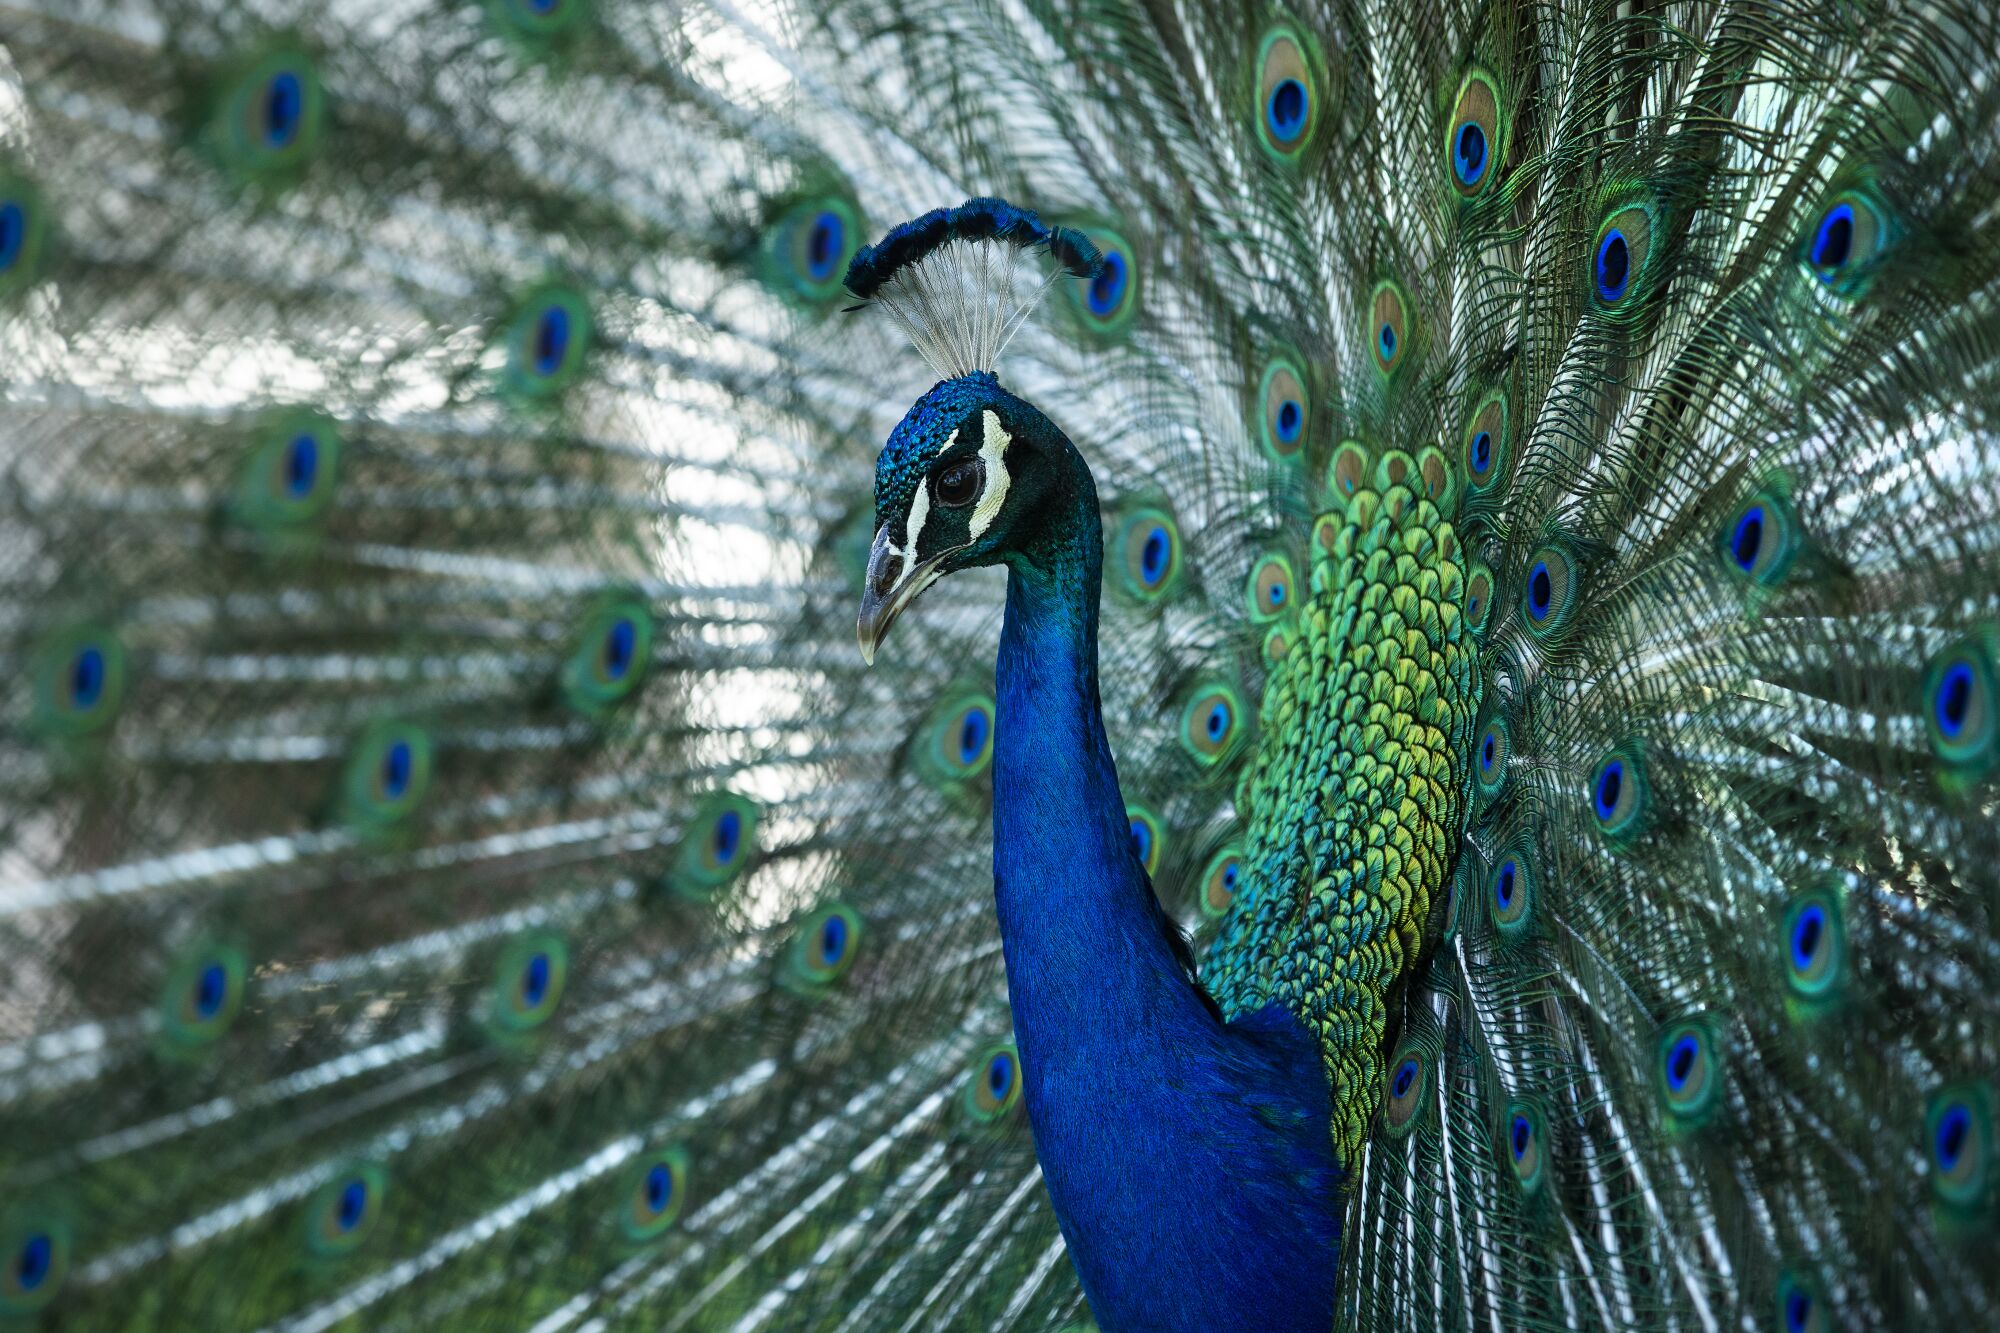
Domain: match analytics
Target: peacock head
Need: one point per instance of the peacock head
(964, 480)
(969, 472)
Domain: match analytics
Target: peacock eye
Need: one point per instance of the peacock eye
(958, 485)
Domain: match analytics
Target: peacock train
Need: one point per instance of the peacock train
(1136, 665)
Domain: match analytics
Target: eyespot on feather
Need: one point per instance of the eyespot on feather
(823, 947)
(1219, 881)
(1845, 240)
(268, 116)
(808, 246)
(1812, 940)
(654, 1193)
(78, 682)
(1149, 554)
(387, 772)
(528, 981)
(1406, 1089)
(1619, 794)
(1524, 1144)
(1389, 327)
(1478, 597)
(1212, 723)
(1490, 753)
(202, 995)
(1287, 107)
(1510, 893)
(35, 1250)
(343, 1212)
(1474, 141)
(1958, 1147)
(1548, 593)
(1284, 409)
(1624, 259)
(1148, 837)
(955, 742)
(1347, 472)
(717, 844)
(1107, 303)
(23, 232)
(1688, 1070)
(548, 339)
(993, 1084)
(1960, 709)
(609, 654)
(1485, 447)
(1271, 588)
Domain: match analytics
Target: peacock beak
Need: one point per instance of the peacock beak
(893, 583)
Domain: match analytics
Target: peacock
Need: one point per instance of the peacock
(1423, 752)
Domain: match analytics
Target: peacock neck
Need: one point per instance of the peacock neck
(1157, 1128)
(1066, 877)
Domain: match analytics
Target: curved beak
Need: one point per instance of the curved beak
(893, 583)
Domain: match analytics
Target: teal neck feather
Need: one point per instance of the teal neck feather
(1188, 1160)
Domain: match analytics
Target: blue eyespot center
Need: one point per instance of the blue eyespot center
(1834, 241)
(353, 1205)
(619, 645)
(1748, 539)
(1482, 452)
(535, 980)
(1798, 1310)
(1610, 785)
(1142, 839)
(284, 108)
(1806, 935)
(1469, 153)
(1486, 753)
(1153, 555)
(1614, 265)
(301, 466)
(1218, 721)
(551, 339)
(397, 766)
(1387, 341)
(1503, 885)
(86, 678)
(1285, 112)
(728, 836)
(31, 1266)
(1541, 590)
(824, 244)
(659, 1187)
(1520, 1134)
(210, 989)
(1290, 418)
(1000, 1076)
(1954, 699)
(972, 736)
(1276, 594)
(1406, 1078)
(13, 233)
(1954, 1127)
(1680, 1062)
(1230, 874)
(1107, 289)
(832, 940)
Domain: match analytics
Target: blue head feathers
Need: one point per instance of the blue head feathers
(937, 278)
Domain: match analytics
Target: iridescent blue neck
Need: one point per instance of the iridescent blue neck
(1189, 1162)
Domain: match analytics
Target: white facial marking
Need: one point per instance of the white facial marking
(993, 453)
(920, 509)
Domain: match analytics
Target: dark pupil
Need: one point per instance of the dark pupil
(1388, 342)
(301, 466)
(727, 830)
(1506, 885)
(971, 735)
(956, 485)
(353, 1202)
(282, 102)
(1805, 941)
(535, 984)
(618, 647)
(1957, 694)
(659, 1188)
(34, 1262)
(13, 230)
(551, 339)
(1486, 753)
(820, 243)
(1142, 841)
(1539, 590)
(396, 770)
(1612, 264)
(1749, 537)
(832, 939)
(1608, 788)
(1288, 105)
(1108, 285)
(86, 677)
(1471, 150)
(997, 1076)
(1682, 1063)
(209, 990)
(1520, 1138)
(1288, 418)
(1406, 1074)
(1836, 238)
(1482, 451)
(1229, 877)
(1798, 1309)
(1951, 1136)
(1153, 558)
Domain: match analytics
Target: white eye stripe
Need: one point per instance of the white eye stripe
(920, 510)
(993, 453)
